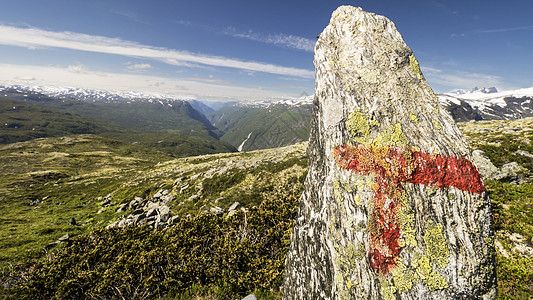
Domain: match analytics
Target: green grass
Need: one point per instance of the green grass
(204, 256)
(512, 205)
(271, 127)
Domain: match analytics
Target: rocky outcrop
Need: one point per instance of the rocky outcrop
(152, 212)
(393, 206)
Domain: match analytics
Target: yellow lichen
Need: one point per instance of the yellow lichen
(368, 75)
(337, 192)
(358, 201)
(431, 278)
(414, 66)
(393, 136)
(387, 290)
(436, 124)
(413, 118)
(404, 278)
(437, 247)
(408, 228)
(358, 124)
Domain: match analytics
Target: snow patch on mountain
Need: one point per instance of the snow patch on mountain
(301, 101)
(489, 103)
(92, 95)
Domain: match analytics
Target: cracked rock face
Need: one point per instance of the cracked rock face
(393, 206)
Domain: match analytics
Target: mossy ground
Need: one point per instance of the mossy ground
(51, 180)
(217, 258)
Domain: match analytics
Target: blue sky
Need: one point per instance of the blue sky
(248, 50)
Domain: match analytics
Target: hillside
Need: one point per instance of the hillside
(174, 128)
(252, 127)
(96, 181)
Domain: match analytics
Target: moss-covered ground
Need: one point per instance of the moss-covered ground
(46, 182)
(512, 204)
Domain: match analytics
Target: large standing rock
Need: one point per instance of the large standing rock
(393, 208)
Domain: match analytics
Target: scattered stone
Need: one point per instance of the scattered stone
(151, 212)
(232, 209)
(524, 153)
(35, 202)
(510, 171)
(63, 239)
(250, 297)
(216, 210)
(122, 207)
(487, 169)
(233, 206)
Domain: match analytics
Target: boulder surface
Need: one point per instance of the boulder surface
(393, 207)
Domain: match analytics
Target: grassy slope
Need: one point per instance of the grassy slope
(512, 204)
(69, 174)
(271, 127)
(148, 125)
(197, 184)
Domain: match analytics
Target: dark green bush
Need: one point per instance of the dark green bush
(227, 257)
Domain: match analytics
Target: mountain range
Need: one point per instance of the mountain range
(181, 126)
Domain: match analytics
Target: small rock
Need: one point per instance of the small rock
(151, 212)
(485, 167)
(173, 220)
(167, 198)
(250, 297)
(216, 210)
(524, 153)
(73, 221)
(64, 238)
(233, 206)
(122, 207)
(164, 213)
(151, 205)
(510, 171)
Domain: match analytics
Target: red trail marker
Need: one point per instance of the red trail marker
(392, 167)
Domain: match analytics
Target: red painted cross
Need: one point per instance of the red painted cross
(392, 167)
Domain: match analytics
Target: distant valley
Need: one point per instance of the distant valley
(183, 127)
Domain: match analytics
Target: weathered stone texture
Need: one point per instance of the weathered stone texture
(393, 208)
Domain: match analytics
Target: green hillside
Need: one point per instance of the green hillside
(21, 122)
(253, 128)
(209, 251)
(178, 130)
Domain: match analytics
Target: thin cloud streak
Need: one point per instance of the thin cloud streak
(80, 77)
(285, 40)
(496, 30)
(38, 38)
(462, 79)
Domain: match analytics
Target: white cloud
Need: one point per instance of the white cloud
(461, 79)
(34, 37)
(139, 67)
(80, 77)
(285, 40)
